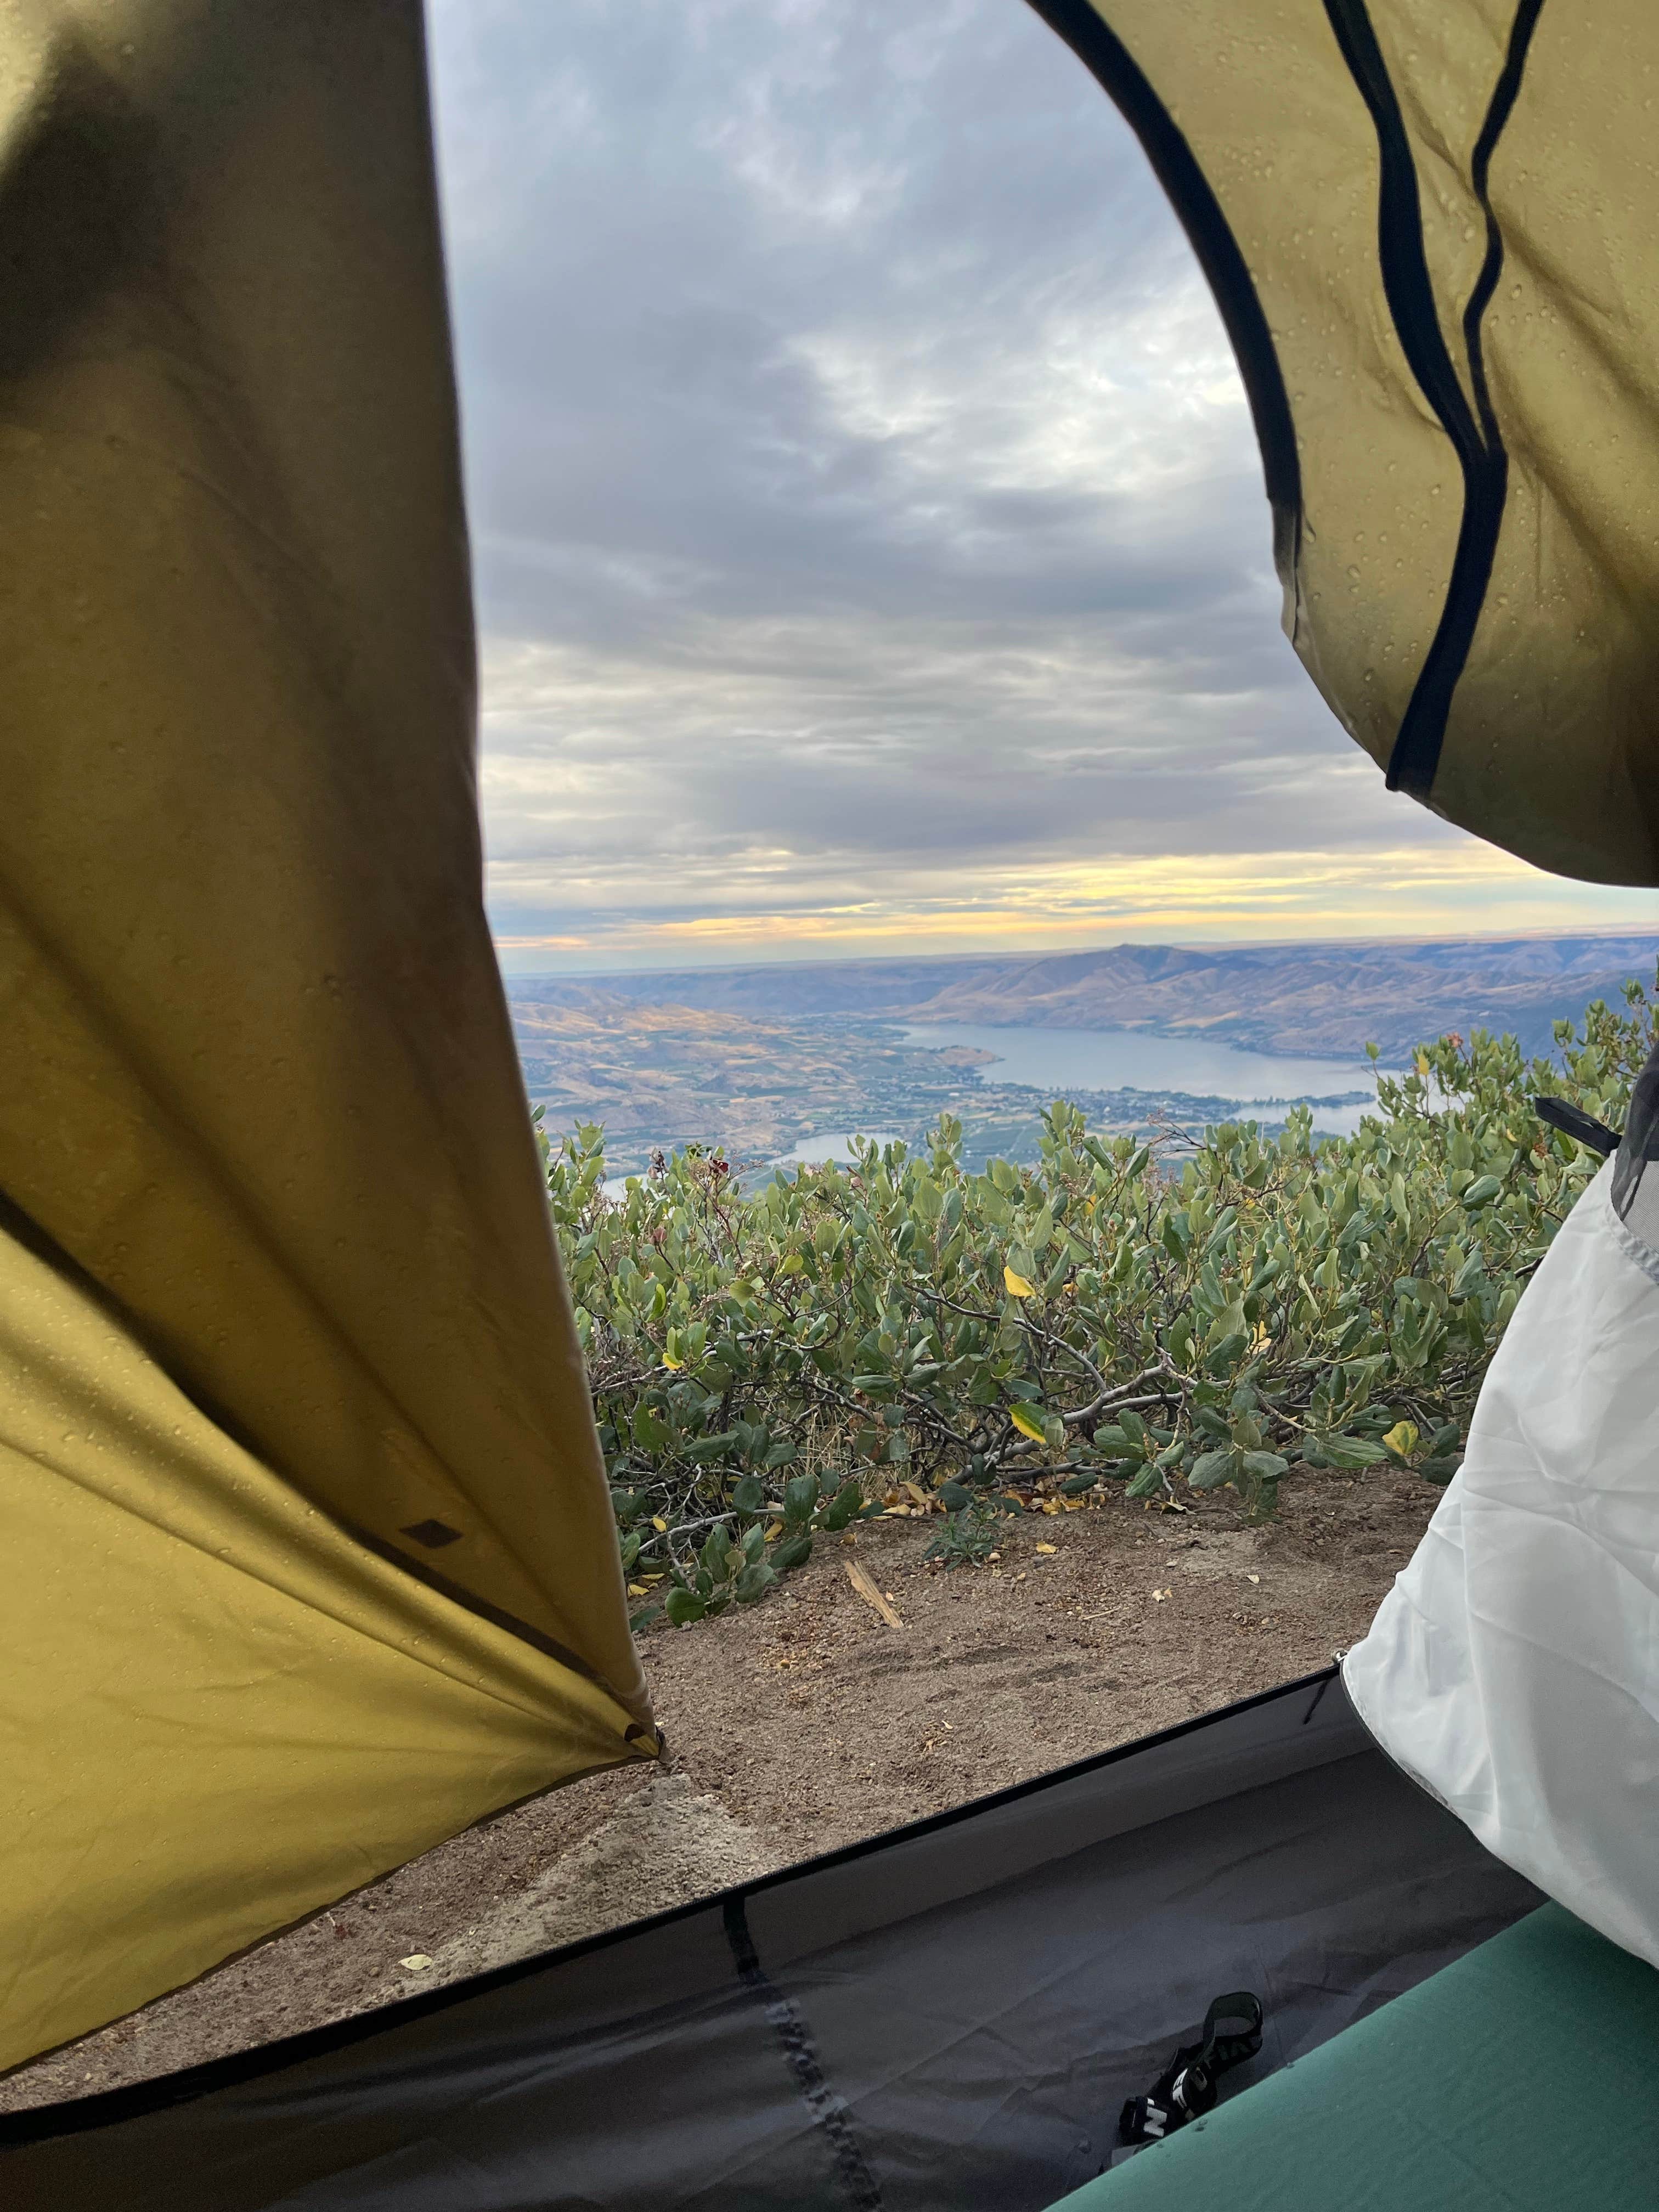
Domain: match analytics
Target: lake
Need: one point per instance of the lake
(814, 1151)
(1059, 1061)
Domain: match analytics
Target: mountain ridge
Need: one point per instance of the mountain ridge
(1331, 997)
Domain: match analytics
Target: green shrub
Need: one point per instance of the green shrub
(970, 1532)
(1161, 1317)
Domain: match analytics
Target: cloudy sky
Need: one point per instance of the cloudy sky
(871, 547)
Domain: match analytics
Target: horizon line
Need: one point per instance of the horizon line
(1650, 936)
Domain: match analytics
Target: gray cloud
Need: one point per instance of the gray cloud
(863, 494)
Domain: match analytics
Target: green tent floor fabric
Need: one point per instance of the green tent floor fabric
(949, 2014)
(1521, 2079)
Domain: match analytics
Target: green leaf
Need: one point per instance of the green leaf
(748, 1495)
(792, 1551)
(800, 1495)
(1352, 1453)
(1212, 1470)
(1481, 1192)
(1264, 1466)
(756, 1578)
(716, 1447)
(841, 1509)
(682, 1607)
(650, 1431)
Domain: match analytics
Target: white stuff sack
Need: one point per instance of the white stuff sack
(1513, 1669)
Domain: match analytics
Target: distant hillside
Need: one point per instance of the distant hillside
(1327, 998)
(887, 987)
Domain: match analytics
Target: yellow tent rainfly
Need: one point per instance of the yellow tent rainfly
(1429, 227)
(309, 1560)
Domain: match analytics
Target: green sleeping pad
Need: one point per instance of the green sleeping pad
(1523, 2079)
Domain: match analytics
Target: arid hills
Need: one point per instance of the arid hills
(1323, 999)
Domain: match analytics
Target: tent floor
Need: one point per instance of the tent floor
(950, 2015)
(1521, 2079)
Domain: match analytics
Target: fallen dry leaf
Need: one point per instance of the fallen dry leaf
(1159, 1595)
(867, 1590)
(1049, 1548)
(416, 1962)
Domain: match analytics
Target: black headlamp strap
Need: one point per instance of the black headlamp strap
(1187, 2087)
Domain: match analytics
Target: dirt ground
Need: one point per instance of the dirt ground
(810, 1722)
